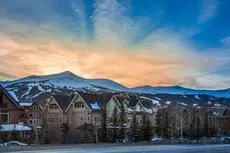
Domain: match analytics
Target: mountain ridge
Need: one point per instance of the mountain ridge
(71, 81)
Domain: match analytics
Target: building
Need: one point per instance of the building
(10, 110)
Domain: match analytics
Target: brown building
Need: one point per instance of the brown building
(10, 110)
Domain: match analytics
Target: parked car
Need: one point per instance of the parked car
(15, 143)
(157, 140)
(2, 145)
(225, 140)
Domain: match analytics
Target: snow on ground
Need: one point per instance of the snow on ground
(95, 106)
(153, 100)
(28, 91)
(13, 95)
(14, 127)
(197, 97)
(168, 102)
(195, 105)
(157, 98)
(182, 104)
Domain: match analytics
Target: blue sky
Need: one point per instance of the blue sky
(174, 42)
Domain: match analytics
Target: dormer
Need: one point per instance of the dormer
(52, 106)
(139, 107)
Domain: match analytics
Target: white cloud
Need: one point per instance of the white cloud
(226, 41)
(208, 10)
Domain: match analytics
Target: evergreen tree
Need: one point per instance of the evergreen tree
(134, 136)
(158, 129)
(122, 133)
(147, 130)
(103, 131)
(165, 124)
(198, 128)
(115, 119)
(141, 133)
(192, 124)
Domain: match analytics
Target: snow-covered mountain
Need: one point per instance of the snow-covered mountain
(36, 88)
(181, 90)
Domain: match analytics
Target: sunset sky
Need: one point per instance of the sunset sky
(133, 42)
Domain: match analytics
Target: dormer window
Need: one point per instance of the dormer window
(53, 106)
(78, 105)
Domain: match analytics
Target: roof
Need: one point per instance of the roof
(95, 101)
(10, 96)
(217, 111)
(63, 100)
(14, 127)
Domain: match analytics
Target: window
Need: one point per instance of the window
(2, 104)
(96, 119)
(53, 106)
(79, 105)
(81, 118)
(110, 119)
(37, 115)
(60, 119)
(4, 118)
(50, 119)
(30, 121)
(129, 120)
(88, 118)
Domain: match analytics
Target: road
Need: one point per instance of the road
(126, 149)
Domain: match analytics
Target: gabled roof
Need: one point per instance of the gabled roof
(93, 100)
(218, 112)
(10, 97)
(63, 100)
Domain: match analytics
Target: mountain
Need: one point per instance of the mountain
(32, 87)
(181, 90)
(38, 88)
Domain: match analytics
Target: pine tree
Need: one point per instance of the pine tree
(122, 133)
(115, 119)
(134, 136)
(141, 132)
(147, 130)
(192, 125)
(158, 129)
(165, 124)
(103, 131)
(198, 128)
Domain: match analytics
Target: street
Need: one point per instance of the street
(124, 149)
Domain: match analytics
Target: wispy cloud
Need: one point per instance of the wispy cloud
(208, 10)
(163, 57)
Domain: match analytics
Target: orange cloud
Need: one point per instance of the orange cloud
(128, 66)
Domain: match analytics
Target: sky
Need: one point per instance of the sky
(133, 42)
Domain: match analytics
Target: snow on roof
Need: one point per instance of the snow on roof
(95, 106)
(14, 127)
(129, 110)
(13, 95)
(25, 104)
(148, 110)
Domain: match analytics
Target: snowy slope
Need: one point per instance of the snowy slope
(181, 90)
(40, 87)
